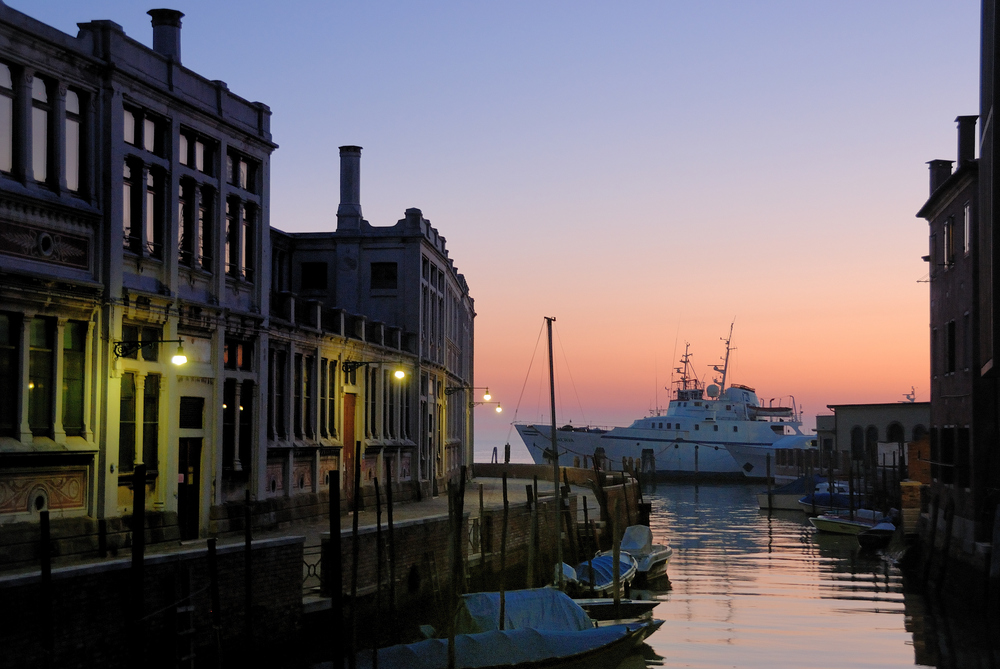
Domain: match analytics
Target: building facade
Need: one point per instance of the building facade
(135, 225)
(873, 433)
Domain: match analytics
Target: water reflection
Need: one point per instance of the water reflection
(748, 589)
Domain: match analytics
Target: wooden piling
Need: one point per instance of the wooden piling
(138, 555)
(533, 528)
(379, 628)
(213, 592)
(503, 556)
(45, 555)
(770, 484)
(355, 557)
(616, 553)
(392, 551)
(248, 574)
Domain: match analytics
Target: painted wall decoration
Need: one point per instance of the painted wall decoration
(48, 246)
(275, 478)
(405, 460)
(62, 490)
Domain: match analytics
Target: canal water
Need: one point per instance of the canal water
(748, 589)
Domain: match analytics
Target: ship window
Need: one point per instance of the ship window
(715, 427)
(736, 428)
(697, 404)
(729, 407)
(661, 426)
(697, 427)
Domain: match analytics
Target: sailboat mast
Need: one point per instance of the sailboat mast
(557, 506)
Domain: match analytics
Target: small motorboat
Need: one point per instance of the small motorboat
(651, 559)
(826, 502)
(543, 627)
(603, 608)
(843, 523)
(786, 497)
(597, 576)
(878, 536)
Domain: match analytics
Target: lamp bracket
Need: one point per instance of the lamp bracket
(126, 347)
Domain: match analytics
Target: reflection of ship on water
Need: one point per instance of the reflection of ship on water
(719, 431)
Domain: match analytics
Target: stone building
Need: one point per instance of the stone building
(135, 225)
(870, 431)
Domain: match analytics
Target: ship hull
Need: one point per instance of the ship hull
(665, 458)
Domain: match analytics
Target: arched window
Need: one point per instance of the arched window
(871, 444)
(857, 443)
(895, 433)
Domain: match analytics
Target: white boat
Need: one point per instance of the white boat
(651, 559)
(718, 431)
(597, 574)
(786, 497)
(842, 523)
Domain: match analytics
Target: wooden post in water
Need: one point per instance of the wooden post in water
(379, 627)
(352, 658)
(770, 485)
(850, 488)
(531, 537)
(248, 574)
(335, 579)
(138, 557)
(482, 546)
(503, 556)
(555, 463)
(45, 553)
(616, 553)
(392, 549)
(213, 589)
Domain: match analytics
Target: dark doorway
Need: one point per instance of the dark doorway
(188, 487)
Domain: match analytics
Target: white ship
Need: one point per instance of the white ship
(717, 432)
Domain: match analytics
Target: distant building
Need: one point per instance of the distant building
(134, 222)
(872, 433)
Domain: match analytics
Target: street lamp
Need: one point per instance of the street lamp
(450, 390)
(350, 366)
(126, 348)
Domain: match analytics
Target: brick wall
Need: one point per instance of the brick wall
(91, 614)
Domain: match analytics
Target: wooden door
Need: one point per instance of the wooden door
(188, 487)
(348, 455)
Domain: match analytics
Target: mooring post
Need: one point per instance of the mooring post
(335, 579)
(616, 555)
(532, 528)
(138, 556)
(379, 627)
(45, 555)
(248, 574)
(352, 656)
(770, 484)
(213, 593)
(503, 557)
(392, 548)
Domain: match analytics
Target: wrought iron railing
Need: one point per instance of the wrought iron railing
(312, 570)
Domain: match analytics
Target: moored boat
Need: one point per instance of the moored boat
(597, 574)
(843, 523)
(651, 559)
(878, 536)
(786, 497)
(714, 431)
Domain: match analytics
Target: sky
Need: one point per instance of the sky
(648, 173)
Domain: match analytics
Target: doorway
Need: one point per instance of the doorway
(348, 454)
(188, 487)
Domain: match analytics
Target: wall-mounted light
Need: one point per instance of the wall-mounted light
(126, 348)
(499, 409)
(350, 366)
(450, 390)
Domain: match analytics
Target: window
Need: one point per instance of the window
(154, 214)
(192, 413)
(151, 421)
(949, 242)
(73, 148)
(383, 276)
(280, 365)
(205, 237)
(74, 361)
(247, 240)
(246, 422)
(144, 341)
(41, 365)
(309, 390)
(40, 114)
(10, 350)
(186, 223)
(242, 171)
(129, 128)
(232, 246)
(126, 428)
(228, 423)
(297, 409)
(6, 119)
(324, 396)
(967, 228)
(331, 412)
(238, 354)
(131, 209)
(314, 275)
(144, 131)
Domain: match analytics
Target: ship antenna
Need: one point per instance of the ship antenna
(725, 361)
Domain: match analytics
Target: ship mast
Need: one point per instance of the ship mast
(725, 362)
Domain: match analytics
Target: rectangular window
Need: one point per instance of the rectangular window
(313, 275)
(126, 429)
(331, 412)
(151, 344)
(405, 393)
(192, 413)
(393, 389)
(10, 372)
(384, 276)
(247, 240)
(154, 214)
(200, 153)
(232, 248)
(967, 226)
(183, 150)
(324, 395)
(149, 135)
(385, 404)
(40, 113)
(74, 363)
(129, 127)
(310, 393)
(949, 242)
(246, 423)
(297, 409)
(280, 370)
(229, 411)
(151, 422)
(40, 382)
(6, 119)
(131, 209)
(73, 151)
(186, 224)
(205, 236)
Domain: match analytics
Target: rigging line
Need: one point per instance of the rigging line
(571, 380)
(526, 377)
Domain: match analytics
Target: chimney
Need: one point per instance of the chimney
(167, 33)
(349, 211)
(940, 171)
(966, 139)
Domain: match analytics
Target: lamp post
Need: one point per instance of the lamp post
(126, 348)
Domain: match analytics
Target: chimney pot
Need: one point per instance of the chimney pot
(349, 211)
(940, 171)
(167, 32)
(966, 139)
